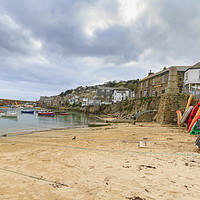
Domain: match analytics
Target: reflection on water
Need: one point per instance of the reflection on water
(32, 122)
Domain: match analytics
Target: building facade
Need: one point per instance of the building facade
(192, 80)
(156, 84)
(105, 94)
(121, 94)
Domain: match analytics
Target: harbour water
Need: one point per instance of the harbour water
(26, 123)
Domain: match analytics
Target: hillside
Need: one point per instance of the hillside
(130, 84)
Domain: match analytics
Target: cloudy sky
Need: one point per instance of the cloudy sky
(49, 46)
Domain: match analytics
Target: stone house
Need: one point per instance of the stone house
(94, 102)
(105, 94)
(52, 101)
(155, 84)
(192, 80)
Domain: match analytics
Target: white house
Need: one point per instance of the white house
(85, 101)
(74, 100)
(192, 80)
(121, 94)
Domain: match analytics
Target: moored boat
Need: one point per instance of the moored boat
(28, 111)
(48, 114)
(63, 113)
(9, 115)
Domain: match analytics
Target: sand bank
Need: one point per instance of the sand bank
(121, 161)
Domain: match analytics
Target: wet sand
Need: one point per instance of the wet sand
(121, 161)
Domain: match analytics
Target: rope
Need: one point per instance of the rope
(34, 177)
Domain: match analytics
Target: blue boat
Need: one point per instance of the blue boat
(27, 111)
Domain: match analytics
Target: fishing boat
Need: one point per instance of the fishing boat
(28, 111)
(48, 114)
(9, 115)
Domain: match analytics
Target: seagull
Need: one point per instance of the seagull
(74, 138)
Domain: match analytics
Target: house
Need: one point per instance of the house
(156, 84)
(52, 101)
(84, 101)
(74, 100)
(94, 102)
(192, 80)
(105, 94)
(121, 94)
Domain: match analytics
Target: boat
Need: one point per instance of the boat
(28, 111)
(61, 113)
(9, 115)
(48, 114)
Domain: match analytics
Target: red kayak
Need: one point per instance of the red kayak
(193, 113)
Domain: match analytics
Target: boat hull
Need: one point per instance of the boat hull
(11, 115)
(63, 114)
(48, 114)
(27, 111)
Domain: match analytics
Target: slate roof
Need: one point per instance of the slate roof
(179, 69)
(195, 66)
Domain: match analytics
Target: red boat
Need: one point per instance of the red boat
(49, 114)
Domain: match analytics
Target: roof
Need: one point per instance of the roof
(106, 88)
(179, 69)
(120, 91)
(121, 88)
(195, 66)
(154, 75)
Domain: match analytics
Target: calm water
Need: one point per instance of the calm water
(33, 122)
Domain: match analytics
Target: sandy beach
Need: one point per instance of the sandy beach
(121, 161)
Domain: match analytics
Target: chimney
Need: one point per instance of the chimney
(150, 73)
(164, 68)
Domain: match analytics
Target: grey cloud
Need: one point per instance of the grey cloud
(165, 33)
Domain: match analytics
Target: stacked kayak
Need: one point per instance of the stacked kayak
(191, 117)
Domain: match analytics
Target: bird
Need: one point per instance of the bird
(74, 138)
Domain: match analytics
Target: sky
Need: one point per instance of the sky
(50, 46)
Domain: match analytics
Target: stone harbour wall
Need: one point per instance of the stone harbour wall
(167, 104)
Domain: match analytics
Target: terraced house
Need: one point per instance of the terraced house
(155, 83)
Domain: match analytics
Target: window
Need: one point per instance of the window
(147, 83)
(153, 93)
(180, 89)
(154, 81)
(141, 85)
(163, 91)
(145, 92)
(163, 78)
(186, 76)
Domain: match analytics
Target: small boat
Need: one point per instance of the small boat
(61, 113)
(28, 111)
(9, 115)
(48, 114)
